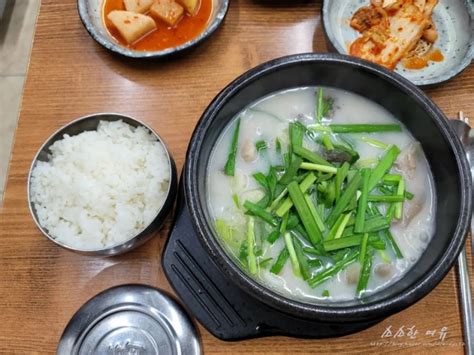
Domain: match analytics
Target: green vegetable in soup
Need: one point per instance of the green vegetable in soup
(374, 142)
(288, 203)
(303, 261)
(364, 128)
(329, 272)
(229, 168)
(383, 166)
(251, 258)
(362, 205)
(314, 212)
(293, 258)
(280, 262)
(324, 105)
(265, 262)
(346, 197)
(261, 213)
(400, 193)
(365, 271)
(291, 172)
(304, 212)
(313, 157)
(392, 243)
(278, 145)
(386, 198)
(318, 167)
(341, 175)
(322, 208)
(260, 145)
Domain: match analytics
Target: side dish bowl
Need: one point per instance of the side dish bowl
(415, 110)
(454, 20)
(90, 123)
(90, 12)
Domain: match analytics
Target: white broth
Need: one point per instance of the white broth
(268, 119)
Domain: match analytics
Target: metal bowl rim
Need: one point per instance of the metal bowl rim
(108, 250)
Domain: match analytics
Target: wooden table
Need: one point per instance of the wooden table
(42, 285)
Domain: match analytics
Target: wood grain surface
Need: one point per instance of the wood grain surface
(42, 285)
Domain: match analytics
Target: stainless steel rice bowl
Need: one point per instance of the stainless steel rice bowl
(90, 123)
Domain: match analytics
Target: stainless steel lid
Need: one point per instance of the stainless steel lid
(130, 319)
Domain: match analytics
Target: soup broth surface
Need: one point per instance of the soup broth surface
(267, 120)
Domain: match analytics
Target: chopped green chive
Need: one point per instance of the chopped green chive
(398, 253)
(313, 157)
(362, 205)
(348, 259)
(284, 223)
(291, 250)
(365, 272)
(374, 142)
(278, 145)
(296, 135)
(340, 177)
(342, 243)
(260, 145)
(304, 212)
(317, 218)
(327, 142)
(302, 259)
(342, 226)
(273, 236)
(383, 166)
(374, 224)
(318, 127)
(399, 205)
(235, 198)
(261, 213)
(363, 248)
(365, 128)
(264, 263)
(390, 213)
(291, 172)
(229, 168)
(288, 203)
(392, 178)
(386, 198)
(314, 263)
(318, 167)
(280, 262)
(324, 105)
(251, 258)
(346, 197)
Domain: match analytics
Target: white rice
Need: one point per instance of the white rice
(101, 188)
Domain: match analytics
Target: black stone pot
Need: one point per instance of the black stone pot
(231, 304)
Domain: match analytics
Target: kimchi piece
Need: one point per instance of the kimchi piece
(394, 31)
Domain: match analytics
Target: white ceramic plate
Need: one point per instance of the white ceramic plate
(454, 20)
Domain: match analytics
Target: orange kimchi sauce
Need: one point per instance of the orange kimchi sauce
(188, 28)
(416, 62)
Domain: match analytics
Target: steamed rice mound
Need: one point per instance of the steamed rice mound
(100, 188)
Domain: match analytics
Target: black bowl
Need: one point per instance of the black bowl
(420, 115)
